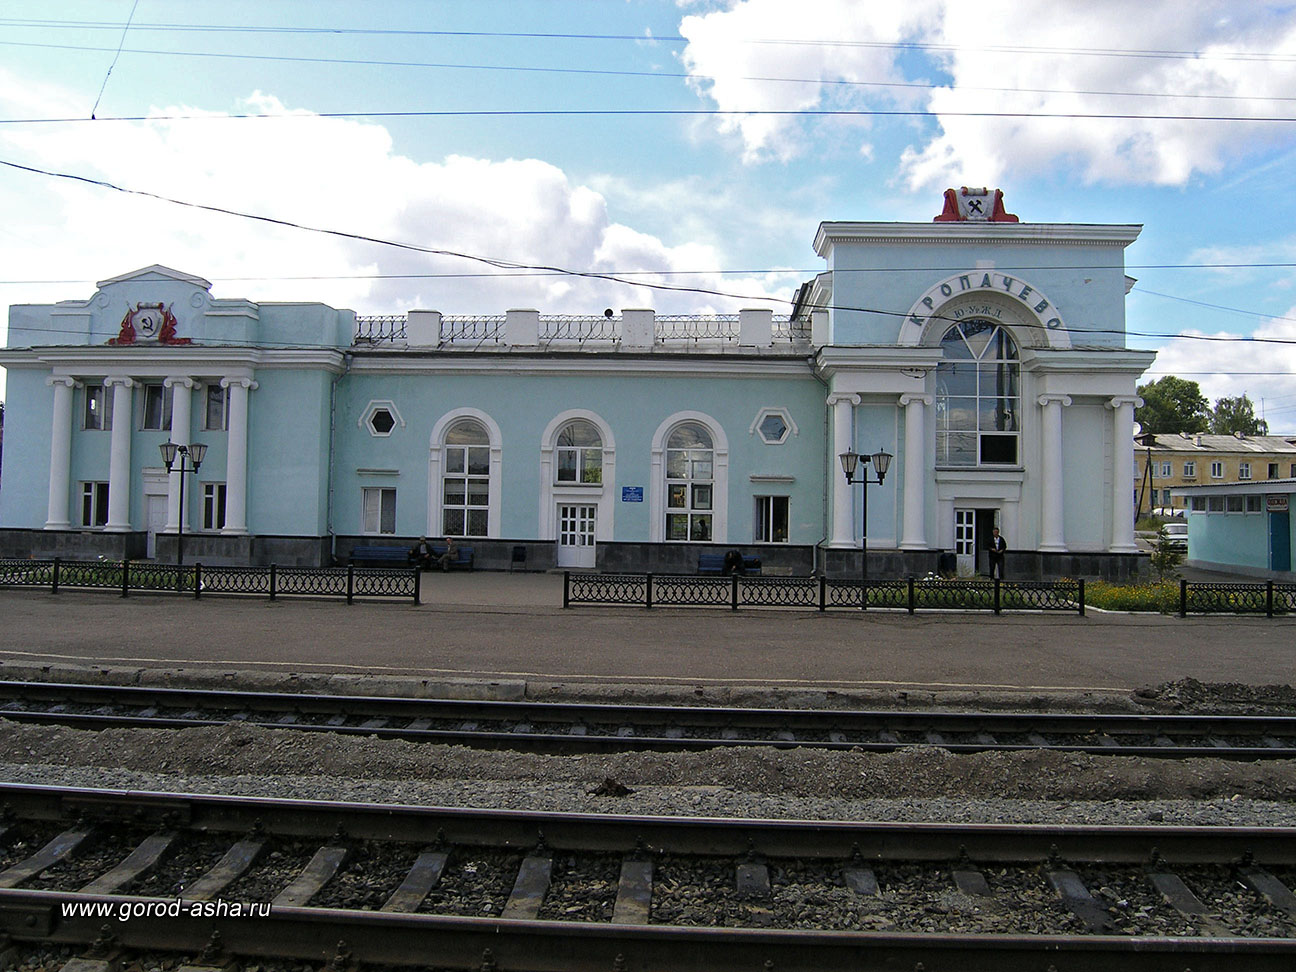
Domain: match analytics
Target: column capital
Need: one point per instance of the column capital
(909, 398)
(119, 380)
(838, 398)
(179, 383)
(1063, 400)
(66, 381)
(247, 383)
(1119, 400)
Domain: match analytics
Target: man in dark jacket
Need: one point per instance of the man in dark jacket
(998, 547)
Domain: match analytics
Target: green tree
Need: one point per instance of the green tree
(1236, 415)
(1165, 555)
(1172, 405)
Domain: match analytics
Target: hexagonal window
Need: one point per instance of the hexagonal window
(381, 418)
(774, 425)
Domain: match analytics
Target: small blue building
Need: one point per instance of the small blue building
(1243, 528)
(986, 355)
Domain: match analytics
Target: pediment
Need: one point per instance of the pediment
(155, 273)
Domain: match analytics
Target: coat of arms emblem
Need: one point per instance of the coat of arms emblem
(151, 323)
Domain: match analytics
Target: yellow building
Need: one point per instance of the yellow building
(1202, 459)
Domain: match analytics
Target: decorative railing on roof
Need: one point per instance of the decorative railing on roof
(566, 329)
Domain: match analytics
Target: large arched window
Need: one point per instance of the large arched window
(978, 396)
(580, 455)
(465, 483)
(690, 483)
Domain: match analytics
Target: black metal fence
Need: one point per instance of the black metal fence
(126, 577)
(1262, 597)
(822, 594)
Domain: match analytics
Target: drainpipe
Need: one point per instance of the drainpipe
(333, 386)
(820, 571)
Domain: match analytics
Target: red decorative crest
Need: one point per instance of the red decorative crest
(974, 206)
(150, 322)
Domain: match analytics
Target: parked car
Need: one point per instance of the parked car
(1177, 534)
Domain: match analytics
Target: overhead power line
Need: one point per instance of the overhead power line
(583, 274)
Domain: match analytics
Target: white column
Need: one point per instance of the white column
(1052, 534)
(914, 527)
(236, 458)
(843, 505)
(1123, 472)
(181, 410)
(60, 454)
(119, 472)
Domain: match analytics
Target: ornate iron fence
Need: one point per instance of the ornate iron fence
(819, 593)
(199, 581)
(1262, 597)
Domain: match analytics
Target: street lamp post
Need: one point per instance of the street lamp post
(852, 461)
(194, 453)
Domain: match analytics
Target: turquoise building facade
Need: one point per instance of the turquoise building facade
(986, 355)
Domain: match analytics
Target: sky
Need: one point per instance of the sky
(690, 148)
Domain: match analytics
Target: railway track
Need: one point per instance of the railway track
(582, 728)
(515, 891)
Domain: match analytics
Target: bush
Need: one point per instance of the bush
(1162, 596)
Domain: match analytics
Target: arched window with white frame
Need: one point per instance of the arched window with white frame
(978, 396)
(579, 452)
(690, 484)
(465, 484)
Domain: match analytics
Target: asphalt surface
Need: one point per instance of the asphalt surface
(507, 635)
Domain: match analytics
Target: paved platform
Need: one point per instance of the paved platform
(508, 635)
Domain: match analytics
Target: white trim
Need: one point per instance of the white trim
(377, 405)
(551, 493)
(495, 488)
(782, 412)
(980, 233)
(1033, 310)
(720, 477)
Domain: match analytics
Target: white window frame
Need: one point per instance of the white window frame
(1217, 469)
(373, 499)
(373, 408)
(95, 493)
(1165, 469)
(215, 498)
(1244, 470)
(767, 509)
(436, 470)
(147, 389)
(214, 389)
(944, 414)
(553, 492)
(789, 427)
(1190, 470)
(719, 476)
(103, 395)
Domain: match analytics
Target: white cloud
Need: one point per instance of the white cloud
(1231, 366)
(325, 172)
(1061, 74)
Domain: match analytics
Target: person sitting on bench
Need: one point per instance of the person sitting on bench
(420, 554)
(733, 563)
(451, 554)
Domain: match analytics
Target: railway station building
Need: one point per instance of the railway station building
(986, 355)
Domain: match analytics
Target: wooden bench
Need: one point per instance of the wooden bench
(713, 563)
(463, 559)
(380, 555)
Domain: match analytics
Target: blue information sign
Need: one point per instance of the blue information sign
(631, 494)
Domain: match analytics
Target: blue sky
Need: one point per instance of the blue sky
(688, 173)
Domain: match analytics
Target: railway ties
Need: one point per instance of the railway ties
(573, 728)
(571, 892)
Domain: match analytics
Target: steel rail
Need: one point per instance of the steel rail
(590, 727)
(563, 946)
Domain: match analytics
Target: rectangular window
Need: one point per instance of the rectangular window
(380, 509)
(1244, 470)
(771, 519)
(1199, 504)
(1293, 470)
(1233, 504)
(155, 407)
(1254, 504)
(98, 408)
(1273, 470)
(94, 504)
(1190, 470)
(1165, 470)
(1217, 470)
(217, 412)
(1215, 504)
(213, 506)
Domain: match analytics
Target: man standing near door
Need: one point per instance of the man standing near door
(998, 547)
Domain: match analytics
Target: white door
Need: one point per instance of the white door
(576, 534)
(965, 542)
(157, 511)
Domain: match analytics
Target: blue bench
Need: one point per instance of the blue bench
(712, 563)
(380, 555)
(463, 559)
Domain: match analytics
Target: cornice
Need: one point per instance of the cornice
(489, 363)
(167, 361)
(981, 234)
